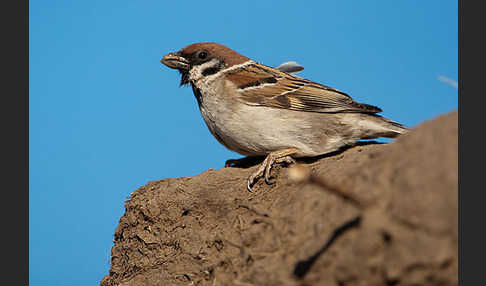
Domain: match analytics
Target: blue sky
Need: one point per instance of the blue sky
(106, 116)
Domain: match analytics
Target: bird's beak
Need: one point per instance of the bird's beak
(175, 61)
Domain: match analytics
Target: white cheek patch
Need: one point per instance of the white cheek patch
(195, 73)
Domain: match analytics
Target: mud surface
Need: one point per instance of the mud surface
(374, 214)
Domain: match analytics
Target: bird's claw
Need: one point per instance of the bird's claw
(248, 185)
(265, 170)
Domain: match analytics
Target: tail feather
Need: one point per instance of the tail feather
(374, 126)
(394, 127)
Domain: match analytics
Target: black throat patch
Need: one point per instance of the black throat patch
(184, 77)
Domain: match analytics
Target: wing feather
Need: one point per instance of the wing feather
(265, 86)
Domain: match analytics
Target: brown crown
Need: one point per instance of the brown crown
(228, 55)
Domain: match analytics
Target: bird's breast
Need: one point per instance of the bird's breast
(251, 130)
(223, 116)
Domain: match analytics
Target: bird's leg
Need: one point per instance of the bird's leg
(280, 156)
(287, 160)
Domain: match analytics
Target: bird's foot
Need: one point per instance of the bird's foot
(277, 157)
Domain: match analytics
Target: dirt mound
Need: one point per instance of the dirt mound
(374, 214)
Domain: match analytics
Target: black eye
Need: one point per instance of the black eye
(202, 55)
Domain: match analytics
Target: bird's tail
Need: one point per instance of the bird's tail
(394, 128)
(374, 126)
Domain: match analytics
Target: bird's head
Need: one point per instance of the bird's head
(202, 59)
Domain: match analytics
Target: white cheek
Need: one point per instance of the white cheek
(195, 74)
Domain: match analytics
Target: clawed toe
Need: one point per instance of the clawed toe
(265, 168)
(254, 177)
(249, 184)
(268, 181)
(267, 175)
(287, 160)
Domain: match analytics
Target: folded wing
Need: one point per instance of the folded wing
(265, 86)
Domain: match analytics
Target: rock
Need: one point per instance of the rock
(374, 214)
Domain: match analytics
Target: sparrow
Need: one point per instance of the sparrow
(257, 110)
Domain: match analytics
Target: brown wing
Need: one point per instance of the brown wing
(257, 85)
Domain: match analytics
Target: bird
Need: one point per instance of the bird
(262, 111)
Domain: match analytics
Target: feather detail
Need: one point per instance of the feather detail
(261, 85)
